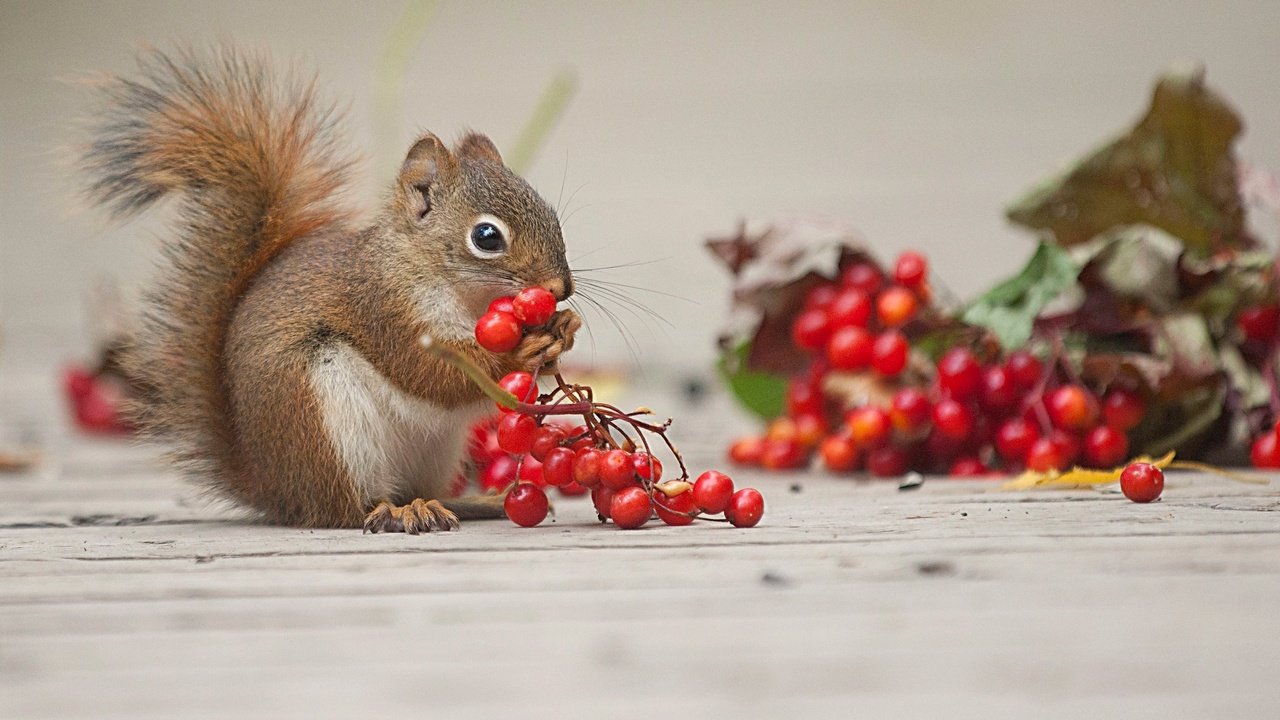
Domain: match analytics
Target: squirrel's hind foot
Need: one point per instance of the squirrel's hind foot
(417, 517)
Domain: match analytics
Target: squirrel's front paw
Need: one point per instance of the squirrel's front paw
(418, 516)
(542, 347)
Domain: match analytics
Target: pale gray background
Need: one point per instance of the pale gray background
(915, 121)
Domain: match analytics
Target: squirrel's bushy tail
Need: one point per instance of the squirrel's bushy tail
(253, 161)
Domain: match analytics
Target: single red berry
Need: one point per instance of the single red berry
(862, 276)
(910, 411)
(1067, 443)
(910, 270)
(803, 396)
(1259, 322)
(503, 304)
(896, 306)
(839, 453)
(1014, 439)
(498, 332)
(630, 508)
(586, 467)
(959, 374)
(573, 489)
(782, 455)
(810, 429)
(1142, 482)
(711, 491)
(675, 509)
(602, 498)
(953, 419)
(851, 307)
(531, 471)
(940, 448)
(499, 474)
(544, 439)
(557, 467)
(526, 505)
(810, 330)
(1123, 409)
(1025, 369)
(869, 426)
(515, 433)
(999, 396)
(534, 306)
(1105, 447)
(887, 461)
(820, 296)
(968, 467)
(77, 382)
(647, 467)
(747, 451)
(1265, 452)
(1046, 455)
(617, 470)
(745, 508)
(483, 445)
(521, 385)
(889, 354)
(1071, 407)
(850, 348)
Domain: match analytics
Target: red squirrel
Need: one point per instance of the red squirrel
(280, 341)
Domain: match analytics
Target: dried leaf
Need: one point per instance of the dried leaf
(1078, 477)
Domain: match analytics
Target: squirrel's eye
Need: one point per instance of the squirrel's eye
(487, 240)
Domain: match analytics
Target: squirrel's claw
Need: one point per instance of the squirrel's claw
(417, 517)
(542, 347)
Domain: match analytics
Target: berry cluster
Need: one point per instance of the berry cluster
(963, 416)
(608, 454)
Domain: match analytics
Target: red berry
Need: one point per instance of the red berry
(77, 382)
(810, 429)
(1123, 409)
(499, 474)
(515, 433)
(602, 498)
(711, 491)
(544, 439)
(811, 329)
(850, 348)
(959, 374)
(483, 445)
(862, 276)
(803, 396)
(1068, 445)
(1105, 447)
(1265, 452)
(534, 306)
(839, 453)
(782, 455)
(617, 470)
(557, 467)
(869, 426)
(745, 508)
(503, 304)
(1014, 439)
(1142, 482)
(674, 509)
(1046, 455)
(998, 395)
(1259, 323)
(526, 505)
(910, 270)
(896, 306)
(889, 354)
(498, 332)
(630, 508)
(820, 296)
(910, 411)
(953, 419)
(1025, 369)
(852, 307)
(887, 461)
(586, 467)
(1072, 407)
(747, 451)
(531, 471)
(968, 467)
(521, 385)
(573, 489)
(647, 467)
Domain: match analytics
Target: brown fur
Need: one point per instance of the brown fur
(266, 276)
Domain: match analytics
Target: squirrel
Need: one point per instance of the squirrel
(280, 342)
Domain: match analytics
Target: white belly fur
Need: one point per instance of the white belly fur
(393, 444)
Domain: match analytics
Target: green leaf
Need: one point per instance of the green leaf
(1173, 170)
(1009, 309)
(764, 394)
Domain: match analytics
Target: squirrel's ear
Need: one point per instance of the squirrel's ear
(426, 164)
(478, 147)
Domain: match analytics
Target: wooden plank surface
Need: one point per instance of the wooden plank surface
(124, 594)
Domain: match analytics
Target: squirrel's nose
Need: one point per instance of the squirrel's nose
(560, 287)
